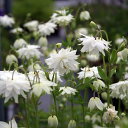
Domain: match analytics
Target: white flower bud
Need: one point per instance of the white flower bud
(11, 59)
(85, 15)
(72, 124)
(52, 121)
(87, 118)
(20, 43)
(43, 42)
(98, 84)
(95, 102)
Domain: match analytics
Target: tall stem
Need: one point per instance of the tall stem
(55, 104)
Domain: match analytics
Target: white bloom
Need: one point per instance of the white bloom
(34, 67)
(29, 52)
(126, 76)
(12, 124)
(110, 115)
(43, 42)
(47, 29)
(56, 76)
(42, 87)
(68, 91)
(120, 89)
(94, 45)
(63, 61)
(123, 55)
(6, 21)
(80, 31)
(85, 15)
(88, 72)
(32, 25)
(118, 41)
(20, 43)
(98, 84)
(92, 58)
(95, 102)
(16, 30)
(52, 121)
(13, 86)
(11, 59)
(62, 18)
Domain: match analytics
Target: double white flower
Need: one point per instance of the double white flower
(63, 61)
(6, 21)
(93, 45)
(68, 91)
(88, 72)
(62, 17)
(28, 52)
(47, 29)
(13, 84)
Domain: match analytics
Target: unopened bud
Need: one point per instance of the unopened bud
(93, 24)
(58, 45)
(104, 95)
(52, 121)
(43, 42)
(11, 59)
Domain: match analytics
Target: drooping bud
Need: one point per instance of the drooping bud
(43, 42)
(11, 59)
(58, 45)
(52, 121)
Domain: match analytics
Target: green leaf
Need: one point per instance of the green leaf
(113, 56)
(102, 73)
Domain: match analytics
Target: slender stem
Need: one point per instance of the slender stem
(55, 105)
(83, 114)
(26, 114)
(72, 108)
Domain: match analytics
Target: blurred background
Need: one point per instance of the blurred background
(112, 15)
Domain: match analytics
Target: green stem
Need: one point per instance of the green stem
(83, 114)
(55, 104)
(72, 108)
(26, 114)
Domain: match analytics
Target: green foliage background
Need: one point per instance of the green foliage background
(39, 9)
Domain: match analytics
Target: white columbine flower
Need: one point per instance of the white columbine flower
(52, 121)
(80, 31)
(12, 124)
(20, 43)
(29, 52)
(13, 84)
(6, 21)
(62, 17)
(85, 15)
(94, 103)
(93, 45)
(43, 87)
(34, 67)
(11, 59)
(110, 115)
(123, 55)
(63, 61)
(16, 30)
(88, 72)
(56, 76)
(32, 25)
(68, 91)
(119, 90)
(118, 41)
(92, 58)
(98, 84)
(47, 29)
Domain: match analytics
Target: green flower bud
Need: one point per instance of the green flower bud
(58, 45)
(104, 95)
(72, 124)
(93, 24)
(52, 121)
